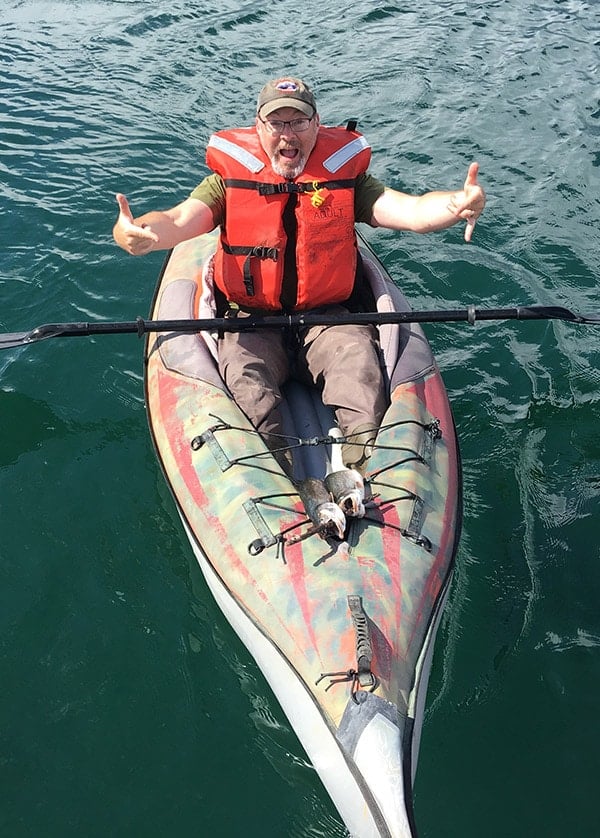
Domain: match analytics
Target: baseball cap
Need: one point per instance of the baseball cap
(286, 92)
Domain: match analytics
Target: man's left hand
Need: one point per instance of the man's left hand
(469, 203)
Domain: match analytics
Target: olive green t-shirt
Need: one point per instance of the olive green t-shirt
(367, 189)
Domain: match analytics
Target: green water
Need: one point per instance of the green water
(128, 707)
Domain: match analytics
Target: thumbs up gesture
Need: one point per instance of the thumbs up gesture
(136, 238)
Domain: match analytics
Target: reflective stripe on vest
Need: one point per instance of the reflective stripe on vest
(339, 158)
(246, 158)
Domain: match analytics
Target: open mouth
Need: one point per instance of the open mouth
(289, 153)
(288, 161)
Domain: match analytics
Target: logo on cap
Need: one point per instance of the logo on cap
(287, 85)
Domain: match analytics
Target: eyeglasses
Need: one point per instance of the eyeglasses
(277, 126)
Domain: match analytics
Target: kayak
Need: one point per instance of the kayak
(342, 627)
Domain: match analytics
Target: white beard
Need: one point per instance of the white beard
(286, 172)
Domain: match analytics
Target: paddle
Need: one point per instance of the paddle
(141, 327)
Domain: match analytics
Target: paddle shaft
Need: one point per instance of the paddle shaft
(238, 324)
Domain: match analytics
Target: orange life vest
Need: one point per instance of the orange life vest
(250, 258)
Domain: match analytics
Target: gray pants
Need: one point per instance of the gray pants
(342, 361)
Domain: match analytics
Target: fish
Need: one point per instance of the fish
(321, 508)
(347, 488)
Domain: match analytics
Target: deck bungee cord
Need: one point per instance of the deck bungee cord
(374, 502)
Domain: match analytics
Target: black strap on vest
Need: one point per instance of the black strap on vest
(289, 285)
(257, 252)
(289, 187)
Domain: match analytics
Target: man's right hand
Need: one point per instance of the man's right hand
(136, 239)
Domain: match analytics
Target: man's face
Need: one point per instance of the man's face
(287, 150)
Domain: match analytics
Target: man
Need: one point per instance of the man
(286, 194)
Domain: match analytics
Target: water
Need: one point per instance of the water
(128, 707)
